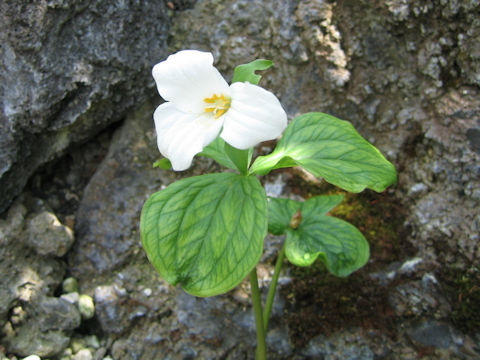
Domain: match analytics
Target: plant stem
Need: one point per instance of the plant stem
(261, 353)
(273, 287)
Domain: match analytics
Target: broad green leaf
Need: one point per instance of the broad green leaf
(330, 148)
(246, 72)
(206, 232)
(216, 151)
(340, 245)
(163, 163)
(280, 211)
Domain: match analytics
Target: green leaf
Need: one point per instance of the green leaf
(340, 245)
(280, 211)
(330, 148)
(163, 163)
(216, 151)
(206, 232)
(246, 72)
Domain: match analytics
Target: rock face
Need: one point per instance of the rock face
(33, 321)
(405, 73)
(405, 79)
(69, 68)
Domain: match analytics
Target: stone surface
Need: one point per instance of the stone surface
(110, 315)
(70, 69)
(345, 346)
(45, 329)
(48, 236)
(107, 219)
(27, 276)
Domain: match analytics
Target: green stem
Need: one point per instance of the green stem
(261, 353)
(273, 287)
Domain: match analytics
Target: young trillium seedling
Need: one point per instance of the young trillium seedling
(206, 232)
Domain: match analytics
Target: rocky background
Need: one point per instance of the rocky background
(77, 147)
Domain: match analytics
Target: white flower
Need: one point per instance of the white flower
(200, 104)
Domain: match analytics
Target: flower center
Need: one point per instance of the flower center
(217, 104)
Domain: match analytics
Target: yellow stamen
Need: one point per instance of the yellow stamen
(217, 104)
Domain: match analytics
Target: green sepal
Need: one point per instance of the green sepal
(216, 151)
(246, 72)
(332, 149)
(206, 232)
(240, 158)
(228, 156)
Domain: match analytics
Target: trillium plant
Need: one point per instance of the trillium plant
(206, 232)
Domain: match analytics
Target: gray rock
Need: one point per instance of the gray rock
(56, 314)
(45, 331)
(348, 346)
(23, 280)
(107, 220)
(48, 236)
(70, 69)
(418, 298)
(277, 339)
(433, 334)
(71, 297)
(111, 315)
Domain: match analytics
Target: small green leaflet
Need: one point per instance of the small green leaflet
(206, 232)
(330, 148)
(338, 244)
(246, 72)
(163, 163)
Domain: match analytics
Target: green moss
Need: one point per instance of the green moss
(464, 290)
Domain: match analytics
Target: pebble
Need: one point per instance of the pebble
(147, 292)
(86, 306)
(409, 266)
(84, 354)
(70, 285)
(72, 297)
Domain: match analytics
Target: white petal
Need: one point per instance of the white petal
(181, 135)
(255, 115)
(187, 78)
